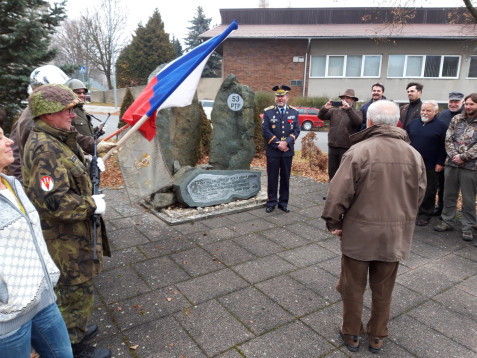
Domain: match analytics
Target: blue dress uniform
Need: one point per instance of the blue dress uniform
(278, 127)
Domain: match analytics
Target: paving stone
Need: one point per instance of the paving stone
(197, 261)
(258, 245)
(455, 266)
(122, 223)
(460, 328)
(301, 342)
(284, 238)
(312, 211)
(166, 246)
(119, 283)
(423, 341)
(318, 280)
(428, 250)
(192, 227)
(154, 228)
(122, 258)
(147, 307)
(229, 253)
(326, 321)
(212, 285)
(469, 285)
(222, 221)
(414, 261)
(115, 344)
(263, 268)
(457, 300)
(280, 218)
(162, 338)
(292, 295)
(213, 328)
(130, 210)
(110, 212)
(126, 237)
(213, 235)
(308, 232)
(161, 272)
(247, 227)
(255, 310)
(467, 252)
(306, 255)
(115, 197)
(333, 265)
(242, 217)
(233, 353)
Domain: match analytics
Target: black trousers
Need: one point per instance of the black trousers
(440, 192)
(428, 204)
(278, 167)
(334, 159)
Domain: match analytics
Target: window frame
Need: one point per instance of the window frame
(470, 61)
(423, 66)
(345, 63)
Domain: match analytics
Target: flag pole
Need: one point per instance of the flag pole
(133, 130)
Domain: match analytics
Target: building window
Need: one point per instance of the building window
(473, 67)
(345, 66)
(431, 66)
(295, 83)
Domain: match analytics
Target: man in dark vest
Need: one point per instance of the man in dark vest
(413, 109)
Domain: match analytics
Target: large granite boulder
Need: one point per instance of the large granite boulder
(231, 144)
(201, 188)
(178, 130)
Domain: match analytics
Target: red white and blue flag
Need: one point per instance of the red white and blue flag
(174, 85)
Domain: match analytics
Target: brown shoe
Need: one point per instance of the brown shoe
(351, 342)
(375, 344)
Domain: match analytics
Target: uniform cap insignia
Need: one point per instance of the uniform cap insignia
(47, 183)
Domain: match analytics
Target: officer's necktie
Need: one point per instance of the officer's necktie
(282, 110)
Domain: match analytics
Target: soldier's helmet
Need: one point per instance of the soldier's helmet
(51, 98)
(47, 74)
(75, 84)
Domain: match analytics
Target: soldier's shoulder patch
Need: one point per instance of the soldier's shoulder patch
(268, 108)
(47, 183)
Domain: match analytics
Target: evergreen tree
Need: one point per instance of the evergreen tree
(201, 24)
(149, 48)
(126, 103)
(177, 47)
(26, 29)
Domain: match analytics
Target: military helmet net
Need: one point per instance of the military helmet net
(51, 99)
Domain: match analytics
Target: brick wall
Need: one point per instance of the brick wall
(262, 64)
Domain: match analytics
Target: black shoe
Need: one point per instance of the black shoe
(284, 208)
(269, 209)
(82, 350)
(324, 198)
(437, 211)
(91, 332)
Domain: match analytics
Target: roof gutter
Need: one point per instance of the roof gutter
(306, 62)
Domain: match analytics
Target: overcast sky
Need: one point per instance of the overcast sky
(176, 14)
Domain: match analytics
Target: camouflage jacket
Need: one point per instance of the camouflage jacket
(57, 181)
(461, 138)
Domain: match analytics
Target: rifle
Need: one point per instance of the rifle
(95, 180)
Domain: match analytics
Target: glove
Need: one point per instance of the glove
(100, 204)
(101, 165)
(104, 147)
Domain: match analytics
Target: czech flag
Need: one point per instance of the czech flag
(174, 85)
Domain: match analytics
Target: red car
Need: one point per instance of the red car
(307, 117)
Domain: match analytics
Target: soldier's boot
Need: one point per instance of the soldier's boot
(91, 332)
(83, 350)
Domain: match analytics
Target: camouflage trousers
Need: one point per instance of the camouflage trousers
(76, 304)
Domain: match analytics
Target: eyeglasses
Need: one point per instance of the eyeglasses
(70, 111)
(80, 92)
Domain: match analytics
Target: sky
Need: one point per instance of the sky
(176, 14)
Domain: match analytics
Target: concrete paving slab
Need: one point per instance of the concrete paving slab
(306, 255)
(228, 252)
(285, 238)
(258, 245)
(197, 262)
(160, 272)
(319, 281)
(263, 268)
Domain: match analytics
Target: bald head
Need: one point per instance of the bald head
(383, 112)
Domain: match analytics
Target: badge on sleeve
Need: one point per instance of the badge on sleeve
(47, 183)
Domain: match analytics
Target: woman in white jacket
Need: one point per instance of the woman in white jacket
(28, 312)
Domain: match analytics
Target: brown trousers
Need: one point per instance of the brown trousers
(351, 286)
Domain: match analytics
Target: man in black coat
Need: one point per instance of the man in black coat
(413, 108)
(280, 129)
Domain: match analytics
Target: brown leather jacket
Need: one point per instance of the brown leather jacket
(343, 123)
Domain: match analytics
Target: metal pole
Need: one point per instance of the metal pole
(113, 70)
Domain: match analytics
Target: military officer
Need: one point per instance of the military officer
(280, 129)
(56, 179)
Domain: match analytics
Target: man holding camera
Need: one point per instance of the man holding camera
(344, 121)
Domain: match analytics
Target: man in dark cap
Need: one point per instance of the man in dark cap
(455, 106)
(280, 129)
(344, 121)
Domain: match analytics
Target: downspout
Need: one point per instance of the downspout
(306, 62)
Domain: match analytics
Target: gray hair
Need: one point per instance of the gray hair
(434, 104)
(383, 112)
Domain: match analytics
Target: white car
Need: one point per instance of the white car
(207, 105)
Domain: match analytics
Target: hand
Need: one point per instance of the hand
(100, 204)
(345, 104)
(283, 146)
(328, 104)
(439, 168)
(101, 165)
(337, 232)
(104, 147)
(456, 159)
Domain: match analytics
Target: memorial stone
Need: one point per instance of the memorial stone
(200, 188)
(231, 145)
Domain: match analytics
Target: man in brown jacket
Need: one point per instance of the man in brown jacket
(344, 121)
(372, 206)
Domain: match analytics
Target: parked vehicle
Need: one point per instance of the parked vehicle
(207, 106)
(307, 118)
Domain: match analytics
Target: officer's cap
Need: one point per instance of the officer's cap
(281, 90)
(456, 96)
(51, 99)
